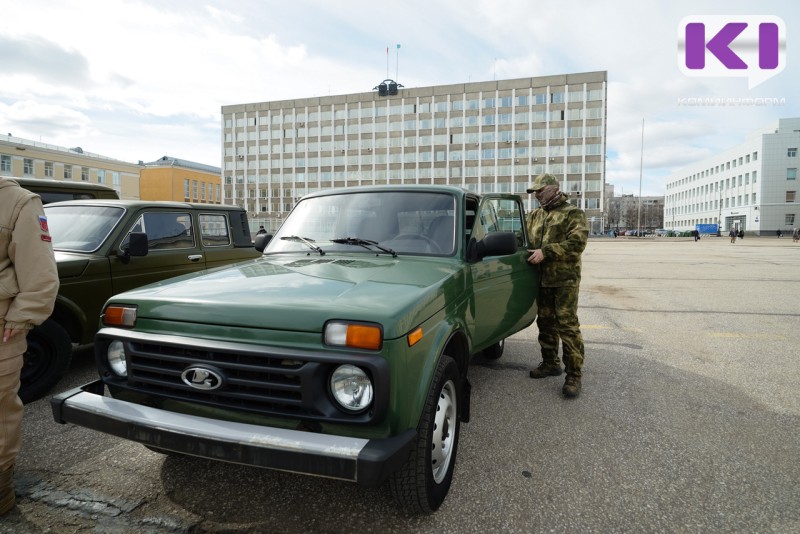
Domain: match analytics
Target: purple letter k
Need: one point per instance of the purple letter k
(718, 45)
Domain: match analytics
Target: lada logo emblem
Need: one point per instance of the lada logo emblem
(201, 378)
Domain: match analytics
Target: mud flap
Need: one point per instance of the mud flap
(466, 390)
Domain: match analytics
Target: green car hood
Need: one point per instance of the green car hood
(301, 293)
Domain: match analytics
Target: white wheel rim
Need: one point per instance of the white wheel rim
(444, 427)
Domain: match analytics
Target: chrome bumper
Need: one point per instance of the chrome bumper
(365, 461)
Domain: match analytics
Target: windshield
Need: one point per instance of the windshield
(414, 222)
(81, 228)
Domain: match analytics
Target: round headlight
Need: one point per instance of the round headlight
(115, 354)
(351, 387)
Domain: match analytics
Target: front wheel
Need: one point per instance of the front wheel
(421, 485)
(46, 360)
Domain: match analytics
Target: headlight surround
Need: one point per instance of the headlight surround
(117, 359)
(353, 335)
(119, 315)
(352, 388)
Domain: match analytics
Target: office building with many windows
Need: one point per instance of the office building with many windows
(484, 136)
(752, 187)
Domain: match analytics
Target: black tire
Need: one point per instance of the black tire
(421, 485)
(46, 360)
(493, 352)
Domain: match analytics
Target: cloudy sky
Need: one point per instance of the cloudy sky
(135, 80)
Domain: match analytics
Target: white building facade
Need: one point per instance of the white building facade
(484, 136)
(752, 187)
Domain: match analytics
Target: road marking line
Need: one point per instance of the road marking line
(748, 336)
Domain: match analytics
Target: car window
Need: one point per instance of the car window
(81, 228)
(214, 230)
(165, 230)
(499, 215)
(412, 222)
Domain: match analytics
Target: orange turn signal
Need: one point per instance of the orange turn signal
(414, 337)
(120, 316)
(364, 336)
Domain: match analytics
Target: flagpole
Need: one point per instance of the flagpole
(641, 164)
(387, 62)
(397, 63)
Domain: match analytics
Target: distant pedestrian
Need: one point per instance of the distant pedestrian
(733, 233)
(696, 235)
(795, 234)
(780, 234)
(261, 230)
(741, 233)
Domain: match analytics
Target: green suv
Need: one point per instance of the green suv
(342, 352)
(104, 247)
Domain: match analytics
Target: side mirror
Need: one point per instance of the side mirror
(494, 244)
(137, 246)
(261, 241)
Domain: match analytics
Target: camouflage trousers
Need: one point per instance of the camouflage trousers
(558, 320)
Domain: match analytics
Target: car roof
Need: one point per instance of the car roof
(134, 204)
(55, 185)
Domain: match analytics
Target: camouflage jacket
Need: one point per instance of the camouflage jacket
(561, 233)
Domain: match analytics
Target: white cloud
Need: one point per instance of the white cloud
(136, 79)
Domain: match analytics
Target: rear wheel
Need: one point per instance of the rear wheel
(493, 352)
(46, 360)
(421, 485)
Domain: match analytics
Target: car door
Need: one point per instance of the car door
(504, 287)
(173, 249)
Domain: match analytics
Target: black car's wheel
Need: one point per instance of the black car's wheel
(46, 360)
(421, 485)
(493, 352)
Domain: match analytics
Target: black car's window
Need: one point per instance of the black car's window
(164, 229)
(81, 228)
(214, 230)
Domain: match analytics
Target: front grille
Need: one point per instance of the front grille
(258, 380)
(252, 382)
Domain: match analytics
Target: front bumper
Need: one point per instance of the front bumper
(365, 461)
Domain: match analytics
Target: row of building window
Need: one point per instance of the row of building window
(490, 136)
(303, 130)
(726, 166)
(452, 171)
(67, 173)
(788, 221)
(195, 191)
(368, 111)
(715, 187)
(316, 148)
(730, 202)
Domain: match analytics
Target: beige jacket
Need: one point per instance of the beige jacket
(28, 272)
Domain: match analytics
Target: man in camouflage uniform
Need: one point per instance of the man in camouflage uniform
(558, 233)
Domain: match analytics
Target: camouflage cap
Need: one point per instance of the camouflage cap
(541, 181)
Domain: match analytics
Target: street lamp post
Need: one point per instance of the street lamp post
(719, 216)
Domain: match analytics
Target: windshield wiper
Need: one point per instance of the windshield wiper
(366, 243)
(308, 242)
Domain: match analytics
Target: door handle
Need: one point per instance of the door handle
(195, 257)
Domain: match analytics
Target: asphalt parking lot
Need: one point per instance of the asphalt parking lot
(689, 421)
